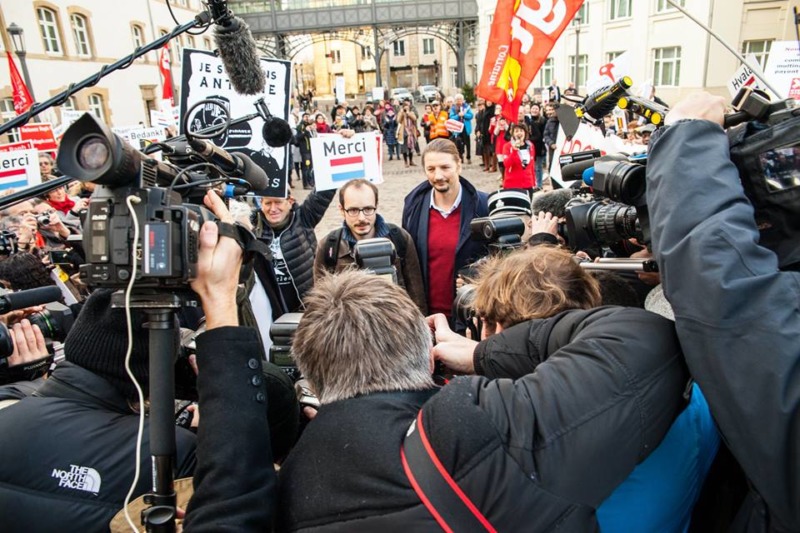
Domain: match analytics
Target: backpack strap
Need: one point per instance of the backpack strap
(399, 241)
(332, 249)
(441, 495)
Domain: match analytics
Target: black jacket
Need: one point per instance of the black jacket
(550, 134)
(737, 315)
(70, 461)
(416, 209)
(234, 482)
(536, 127)
(298, 241)
(534, 454)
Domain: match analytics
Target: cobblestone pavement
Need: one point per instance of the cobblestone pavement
(398, 182)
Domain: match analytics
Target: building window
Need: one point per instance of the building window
(48, 26)
(760, 49)
(611, 56)
(453, 77)
(178, 48)
(667, 66)
(69, 105)
(7, 113)
(80, 32)
(207, 43)
(663, 6)
(583, 66)
(399, 48)
(336, 56)
(619, 9)
(366, 52)
(546, 73)
(583, 13)
(427, 46)
(138, 36)
(96, 106)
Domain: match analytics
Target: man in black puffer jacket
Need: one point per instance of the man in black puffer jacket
(534, 454)
(288, 229)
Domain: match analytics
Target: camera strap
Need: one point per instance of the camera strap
(250, 245)
(450, 506)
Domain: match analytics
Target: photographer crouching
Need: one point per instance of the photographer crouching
(725, 235)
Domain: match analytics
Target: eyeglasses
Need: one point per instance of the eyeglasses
(354, 211)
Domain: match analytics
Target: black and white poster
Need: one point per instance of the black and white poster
(203, 77)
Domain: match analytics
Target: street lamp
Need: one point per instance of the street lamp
(18, 40)
(577, 23)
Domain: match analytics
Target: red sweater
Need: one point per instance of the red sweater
(443, 236)
(516, 177)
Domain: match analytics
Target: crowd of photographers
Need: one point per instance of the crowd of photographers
(501, 372)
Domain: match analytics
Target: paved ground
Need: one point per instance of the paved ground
(398, 181)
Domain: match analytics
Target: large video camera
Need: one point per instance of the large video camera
(620, 208)
(140, 195)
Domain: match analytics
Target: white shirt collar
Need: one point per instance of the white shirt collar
(455, 206)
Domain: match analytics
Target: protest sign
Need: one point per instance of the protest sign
(41, 135)
(140, 138)
(338, 160)
(19, 169)
(453, 126)
(609, 73)
(21, 145)
(745, 77)
(205, 78)
(68, 116)
(783, 68)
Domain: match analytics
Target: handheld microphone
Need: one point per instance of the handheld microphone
(602, 102)
(237, 50)
(14, 301)
(651, 111)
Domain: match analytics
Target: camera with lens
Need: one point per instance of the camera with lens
(138, 194)
(620, 209)
(43, 220)
(280, 352)
(502, 232)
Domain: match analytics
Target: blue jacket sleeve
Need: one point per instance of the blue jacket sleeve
(737, 315)
(235, 482)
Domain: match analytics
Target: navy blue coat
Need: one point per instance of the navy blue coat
(416, 207)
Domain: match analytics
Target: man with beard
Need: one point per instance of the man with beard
(437, 214)
(358, 203)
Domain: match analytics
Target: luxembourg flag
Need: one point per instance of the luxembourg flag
(13, 178)
(347, 168)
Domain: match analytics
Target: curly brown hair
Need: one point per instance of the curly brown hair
(536, 282)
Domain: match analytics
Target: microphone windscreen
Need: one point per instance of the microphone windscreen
(252, 173)
(554, 202)
(276, 132)
(20, 300)
(237, 50)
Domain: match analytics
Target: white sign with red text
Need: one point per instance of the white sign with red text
(588, 138)
(610, 73)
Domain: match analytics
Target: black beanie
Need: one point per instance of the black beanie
(98, 341)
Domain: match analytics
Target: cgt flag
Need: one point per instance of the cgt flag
(523, 33)
(22, 98)
(166, 75)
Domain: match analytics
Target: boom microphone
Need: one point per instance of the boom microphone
(276, 131)
(20, 300)
(237, 50)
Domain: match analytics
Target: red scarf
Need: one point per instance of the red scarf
(64, 206)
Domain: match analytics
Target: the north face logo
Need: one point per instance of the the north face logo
(78, 478)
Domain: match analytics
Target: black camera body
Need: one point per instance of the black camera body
(280, 352)
(621, 209)
(166, 253)
(502, 232)
(378, 256)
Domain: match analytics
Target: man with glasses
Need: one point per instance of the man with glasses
(358, 203)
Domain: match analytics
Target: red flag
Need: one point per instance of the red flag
(22, 98)
(166, 75)
(523, 33)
